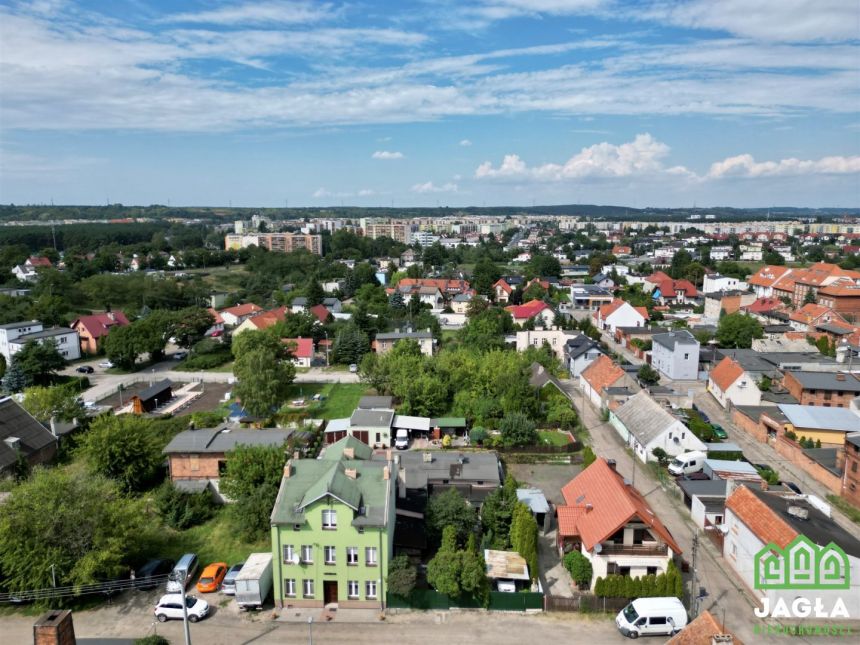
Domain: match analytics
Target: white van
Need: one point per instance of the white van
(689, 462)
(401, 439)
(652, 616)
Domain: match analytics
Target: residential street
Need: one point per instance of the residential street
(726, 595)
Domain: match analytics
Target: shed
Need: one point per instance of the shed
(538, 505)
(155, 395)
(507, 569)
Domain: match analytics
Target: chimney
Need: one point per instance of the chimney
(352, 473)
(386, 473)
(111, 315)
(54, 627)
(722, 639)
(588, 508)
(288, 470)
(349, 453)
(840, 376)
(611, 463)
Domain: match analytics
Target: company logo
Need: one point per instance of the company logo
(802, 564)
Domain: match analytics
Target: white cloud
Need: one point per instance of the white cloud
(262, 13)
(465, 143)
(746, 166)
(321, 192)
(366, 192)
(638, 157)
(387, 155)
(430, 187)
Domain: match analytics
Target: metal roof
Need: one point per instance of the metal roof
(534, 499)
(47, 333)
(821, 418)
(679, 337)
(376, 402)
(411, 423)
(155, 389)
(224, 439)
(726, 466)
(827, 381)
(372, 418)
(404, 334)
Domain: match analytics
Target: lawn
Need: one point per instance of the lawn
(553, 437)
(213, 541)
(340, 398)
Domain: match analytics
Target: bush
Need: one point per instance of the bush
(154, 639)
(401, 576)
(661, 456)
(206, 361)
(579, 568)
(477, 435)
(588, 457)
(181, 510)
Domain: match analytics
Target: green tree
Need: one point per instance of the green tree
(542, 265)
(487, 329)
(264, 371)
(524, 537)
(449, 509)
(680, 261)
(648, 375)
(251, 480)
(738, 330)
(534, 291)
(473, 571)
(809, 298)
(350, 345)
(189, 326)
(443, 571)
(181, 509)
(401, 576)
(14, 380)
(59, 402)
(80, 525)
(518, 430)
(497, 512)
(485, 275)
(126, 449)
(661, 456)
(314, 292)
(579, 567)
(2, 366)
(122, 346)
(39, 361)
(396, 302)
(588, 457)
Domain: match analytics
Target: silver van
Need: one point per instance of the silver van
(186, 567)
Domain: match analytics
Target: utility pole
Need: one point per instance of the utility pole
(694, 592)
(54, 576)
(182, 581)
(310, 630)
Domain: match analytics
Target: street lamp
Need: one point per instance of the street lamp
(180, 577)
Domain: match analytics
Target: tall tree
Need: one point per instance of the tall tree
(518, 430)
(59, 402)
(190, 325)
(484, 276)
(524, 535)
(314, 292)
(350, 345)
(39, 361)
(443, 571)
(122, 346)
(449, 509)
(738, 330)
(251, 479)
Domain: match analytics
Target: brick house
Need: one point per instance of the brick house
(828, 389)
(851, 472)
(196, 458)
(92, 329)
(842, 297)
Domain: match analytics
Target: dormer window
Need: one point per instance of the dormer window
(329, 519)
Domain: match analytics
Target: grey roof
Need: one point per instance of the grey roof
(709, 487)
(576, 347)
(16, 422)
(669, 340)
(224, 439)
(155, 389)
(828, 381)
(754, 412)
(644, 418)
(853, 438)
(476, 466)
(723, 447)
(726, 466)
(411, 423)
(337, 425)
(23, 323)
(463, 297)
(47, 333)
(534, 499)
(826, 458)
(821, 418)
(398, 335)
(376, 403)
(835, 329)
(592, 289)
(817, 526)
(600, 277)
(329, 301)
(301, 301)
(372, 418)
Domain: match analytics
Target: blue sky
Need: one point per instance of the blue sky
(495, 102)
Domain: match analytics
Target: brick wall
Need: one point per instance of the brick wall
(793, 453)
(751, 426)
(54, 627)
(195, 466)
(851, 478)
(817, 397)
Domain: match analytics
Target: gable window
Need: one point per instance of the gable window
(329, 519)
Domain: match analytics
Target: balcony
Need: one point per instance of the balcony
(635, 549)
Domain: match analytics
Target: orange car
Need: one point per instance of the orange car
(210, 579)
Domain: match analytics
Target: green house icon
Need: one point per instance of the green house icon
(802, 564)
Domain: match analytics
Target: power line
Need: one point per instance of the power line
(108, 587)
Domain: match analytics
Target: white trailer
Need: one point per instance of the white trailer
(254, 581)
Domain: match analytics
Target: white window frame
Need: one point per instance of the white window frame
(371, 562)
(290, 587)
(352, 556)
(370, 589)
(329, 519)
(307, 553)
(308, 588)
(289, 553)
(352, 589)
(330, 555)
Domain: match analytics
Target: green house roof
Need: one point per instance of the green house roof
(360, 449)
(449, 422)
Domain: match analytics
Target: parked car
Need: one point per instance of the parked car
(170, 607)
(401, 441)
(84, 369)
(229, 585)
(652, 616)
(180, 356)
(185, 569)
(792, 487)
(211, 577)
(720, 433)
(106, 364)
(353, 367)
(147, 577)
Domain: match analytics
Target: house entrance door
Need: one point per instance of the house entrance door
(330, 592)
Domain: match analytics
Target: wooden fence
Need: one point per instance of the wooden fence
(498, 601)
(585, 603)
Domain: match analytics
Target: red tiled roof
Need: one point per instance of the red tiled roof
(768, 275)
(501, 282)
(841, 289)
(320, 312)
(766, 525)
(811, 312)
(643, 311)
(613, 503)
(618, 250)
(442, 284)
(98, 325)
(763, 305)
(218, 319)
(528, 310)
(701, 632)
(267, 319)
(301, 347)
(657, 277)
(38, 261)
(610, 308)
(602, 373)
(726, 372)
(242, 310)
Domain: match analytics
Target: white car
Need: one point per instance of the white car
(105, 364)
(170, 607)
(353, 368)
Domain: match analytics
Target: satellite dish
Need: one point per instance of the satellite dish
(598, 547)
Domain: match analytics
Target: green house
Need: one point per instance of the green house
(333, 528)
